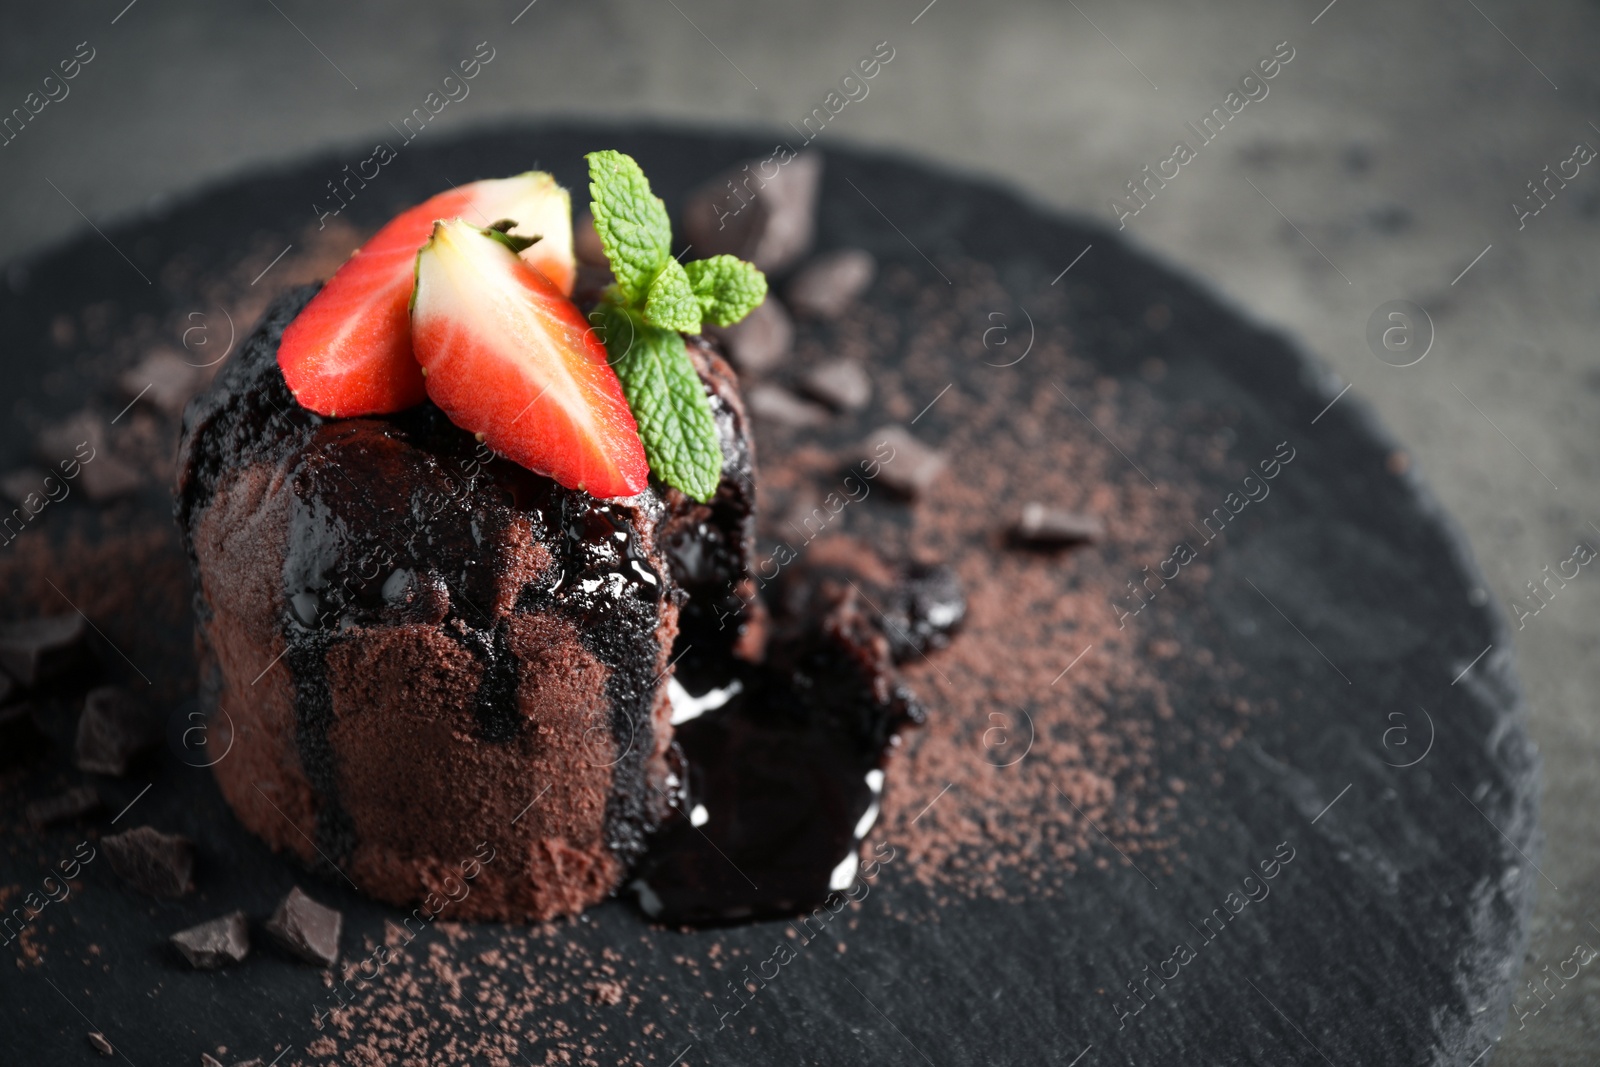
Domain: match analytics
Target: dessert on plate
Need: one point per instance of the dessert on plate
(455, 537)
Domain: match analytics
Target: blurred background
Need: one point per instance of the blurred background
(1394, 157)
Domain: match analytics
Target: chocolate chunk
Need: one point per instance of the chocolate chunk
(75, 803)
(101, 1045)
(1045, 526)
(806, 515)
(77, 446)
(74, 439)
(108, 477)
(774, 403)
(923, 609)
(842, 384)
(823, 575)
(38, 650)
(767, 218)
(307, 929)
(827, 286)
(916, 606)
(20, 739)
(18, 485)
(216, 943)
(164, 379)
(151, 861)
(905, 465)
(113, 729)
(760, 341)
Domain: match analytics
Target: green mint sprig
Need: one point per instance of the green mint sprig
(655, 301)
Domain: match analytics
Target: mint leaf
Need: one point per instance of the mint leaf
(668, 400)
(727, 287)
(632, 223)
(672, 303)
(640, 318)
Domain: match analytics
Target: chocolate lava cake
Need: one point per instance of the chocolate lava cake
(454, 629)
(419, 647)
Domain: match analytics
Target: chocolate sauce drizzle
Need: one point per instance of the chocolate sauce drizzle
(600, 550)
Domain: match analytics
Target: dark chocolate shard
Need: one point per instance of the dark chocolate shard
(78, 447)
(19, 484)
(163, 379)
(772, 403)
(842, 384)
(907, 466)
(152, 862)
(108, 478)
(20, 739)
(1045, 526)
(101, 1045)
(80, 438)
(216, 943)
(42, 649)
(917, 606)
(923, 608)
(113, 729)
(827, 286)
(767, 218)
(759, 342)
(74, 803)
(306, 929)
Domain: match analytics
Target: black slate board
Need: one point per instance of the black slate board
(1393, 937)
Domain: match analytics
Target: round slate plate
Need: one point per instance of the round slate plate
(1383, 748)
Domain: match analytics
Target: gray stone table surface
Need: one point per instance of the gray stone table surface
(1386, 161)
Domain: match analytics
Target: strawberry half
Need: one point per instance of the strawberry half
(349, 351)
(510, 358)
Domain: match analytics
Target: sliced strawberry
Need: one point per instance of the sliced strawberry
(511, 359)
(349, 351)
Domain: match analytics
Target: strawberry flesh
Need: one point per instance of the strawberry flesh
(508, 357)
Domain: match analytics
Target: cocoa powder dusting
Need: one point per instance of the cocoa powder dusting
(1047, 719)
(1046, 716)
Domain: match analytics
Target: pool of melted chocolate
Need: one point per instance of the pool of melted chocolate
(782, 761)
